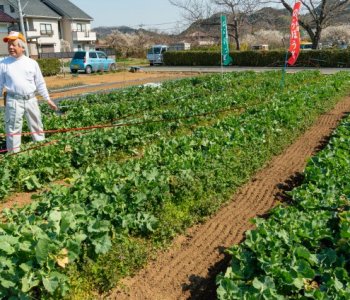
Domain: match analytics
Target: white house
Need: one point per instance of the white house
(5, 22)
(52, 25)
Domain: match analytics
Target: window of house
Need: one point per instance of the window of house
(12, 9)
(81, 27)
(2, 8)
(30, 26)
(46, 29)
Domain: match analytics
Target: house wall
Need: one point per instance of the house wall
(70, 26)
(48, 40)
(67, 27)
(3, 33)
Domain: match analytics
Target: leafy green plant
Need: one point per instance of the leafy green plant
(157, 189)
(300, 251)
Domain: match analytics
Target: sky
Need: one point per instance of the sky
(147, 14)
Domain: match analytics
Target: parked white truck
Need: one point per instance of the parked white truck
(155, 53)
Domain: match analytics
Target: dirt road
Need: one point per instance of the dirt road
(188, 269)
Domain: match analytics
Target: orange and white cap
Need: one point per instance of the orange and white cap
(14, 35)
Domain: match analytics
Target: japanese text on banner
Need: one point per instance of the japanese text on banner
(294, 46)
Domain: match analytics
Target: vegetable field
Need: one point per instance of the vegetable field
(140, 166)
(302, 250)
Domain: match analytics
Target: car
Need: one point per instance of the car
(91, 61)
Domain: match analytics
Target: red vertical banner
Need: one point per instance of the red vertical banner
(294, 46)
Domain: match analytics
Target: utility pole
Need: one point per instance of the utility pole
(23, 30)
(20, 13)
(21, 22)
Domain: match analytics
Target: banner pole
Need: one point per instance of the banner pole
(222, 67)
(284, 69)
(294, 42)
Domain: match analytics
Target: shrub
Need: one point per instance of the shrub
(49, 66)
(308, 58)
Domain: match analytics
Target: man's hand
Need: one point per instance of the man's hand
(52, 105)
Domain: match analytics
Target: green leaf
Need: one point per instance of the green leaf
(262, 286)
(97, 226)
(55, 216)
(28, 282)
(68, 221)
(32, 183)
(42, 251)
(302, 252)
(8, 239)
(286, 277)
(258, 284)
(26, 267)
(304, 269)
(25, 246)
(80, 237)
(338, 284)
(298, 283)
(152, 175)
(7, 248)
(102, 245)
(50, 284)
(7, 283)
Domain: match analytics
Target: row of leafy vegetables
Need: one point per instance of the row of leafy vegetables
(302, 251)
(136, 186)
(163, 111)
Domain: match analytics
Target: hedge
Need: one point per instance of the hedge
(49, 66)
(307, 58)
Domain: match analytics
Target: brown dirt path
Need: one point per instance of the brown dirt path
(188, 269)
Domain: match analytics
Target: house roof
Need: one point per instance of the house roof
(67, 9)
(4, 18)
(38, 9)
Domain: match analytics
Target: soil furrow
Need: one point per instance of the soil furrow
(188, 269)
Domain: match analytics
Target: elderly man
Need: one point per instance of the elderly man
(21, 77)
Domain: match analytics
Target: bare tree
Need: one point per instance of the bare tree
(131, 44)
(318, 15)
(199, 10)
(238, 10)
(65, 46)
(194, 10)
(336, 35)
(273, 38)
(118, 41)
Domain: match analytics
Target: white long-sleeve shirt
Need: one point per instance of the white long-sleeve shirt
(22, 76)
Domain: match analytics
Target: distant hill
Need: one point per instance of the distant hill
(266, 18)
(270, 18)
(103, 31)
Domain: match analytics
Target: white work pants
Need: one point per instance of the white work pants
(15, 109)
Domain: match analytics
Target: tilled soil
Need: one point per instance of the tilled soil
(188, 268)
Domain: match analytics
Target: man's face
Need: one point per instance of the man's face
(14, 49)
